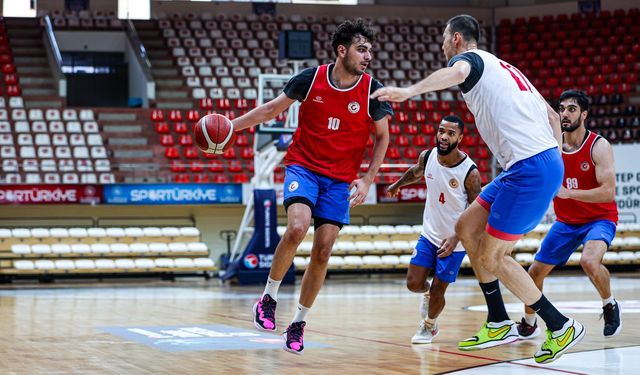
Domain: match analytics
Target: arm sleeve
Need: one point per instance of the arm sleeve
(477, 68)
(377, 109)
(299, 85)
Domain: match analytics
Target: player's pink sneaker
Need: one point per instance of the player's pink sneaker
(264, 314)
(293, 338)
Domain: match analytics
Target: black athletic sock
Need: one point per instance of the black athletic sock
(551, 316)
(495, 304)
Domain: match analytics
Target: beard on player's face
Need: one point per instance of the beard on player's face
(445, 147)
(570, 126)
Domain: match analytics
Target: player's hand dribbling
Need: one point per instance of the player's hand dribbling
(447, 246)
(360, 194)
(391, 94)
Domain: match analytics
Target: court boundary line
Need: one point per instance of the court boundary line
(524, 358)
(494, 360)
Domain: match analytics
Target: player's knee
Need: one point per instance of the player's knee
(490, 261)
(415, 284)
(321, 254)
(535, 273)
(590, 265)
(296, 232)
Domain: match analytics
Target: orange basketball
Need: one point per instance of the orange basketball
(214, 134)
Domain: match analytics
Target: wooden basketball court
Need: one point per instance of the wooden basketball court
(358, 325)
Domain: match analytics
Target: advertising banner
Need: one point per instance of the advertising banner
(627, 182)
(173, 193)
(50, 194)
(408, 194)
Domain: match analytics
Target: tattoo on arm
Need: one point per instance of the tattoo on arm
(473, 185)
(415, 173)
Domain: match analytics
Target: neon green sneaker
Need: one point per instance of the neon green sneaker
(560, 341)
(491, 334)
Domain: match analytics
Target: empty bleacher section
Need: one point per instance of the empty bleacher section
(113, 250)
(596, 53)
(30, 77)
(374, 247)
(52, 147)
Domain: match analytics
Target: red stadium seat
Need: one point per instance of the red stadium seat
(191, 153)
(175, 115)
(419, 141)
(180, 128)
(201, 178)
(185, 140)
(419, 117)
(240, 178)
(157, 115)
(215, 166)
(234, 166)
(393, 153)
(177, 166)
(171, 153)
(247, 153)
(221, 179)
(181, 178)
(193, 115)
(167, 140)
(196, 166)
(411, 154)
(13, 90)
(206, 103)
(223, 104)
(162, 128)
(401, 140)
(230, 153)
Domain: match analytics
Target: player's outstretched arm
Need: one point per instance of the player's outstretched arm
(379, 151)
(439, 80)
(410, 176)
(262, 113)
(602, 155)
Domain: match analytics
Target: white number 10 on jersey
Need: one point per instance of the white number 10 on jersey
(334, 123)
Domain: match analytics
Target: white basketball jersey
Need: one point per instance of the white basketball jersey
(509, 112)
(446, 197)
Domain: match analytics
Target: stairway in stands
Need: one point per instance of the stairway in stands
(171, 90)
(38, 87)
(134, 151)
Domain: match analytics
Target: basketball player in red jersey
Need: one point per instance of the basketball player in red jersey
(323, 160)
(586, 212)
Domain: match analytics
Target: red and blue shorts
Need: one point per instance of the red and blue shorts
(518, 198)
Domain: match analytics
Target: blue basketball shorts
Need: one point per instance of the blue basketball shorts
(327, 197)
(426, 255)
(518, 198)
(563, 239)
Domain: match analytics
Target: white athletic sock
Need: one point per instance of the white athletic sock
(530, 319)
(301, 313)
(272, 288)
(607, 301)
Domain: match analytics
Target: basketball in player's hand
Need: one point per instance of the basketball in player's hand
(214, 134)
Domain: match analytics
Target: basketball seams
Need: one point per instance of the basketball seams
(212, 129)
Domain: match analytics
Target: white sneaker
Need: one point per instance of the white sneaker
(424, 306)
(425, 335)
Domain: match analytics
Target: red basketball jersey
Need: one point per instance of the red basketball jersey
(580, 173)
(333, 128)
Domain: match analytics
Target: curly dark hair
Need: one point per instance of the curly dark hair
(349, 29)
